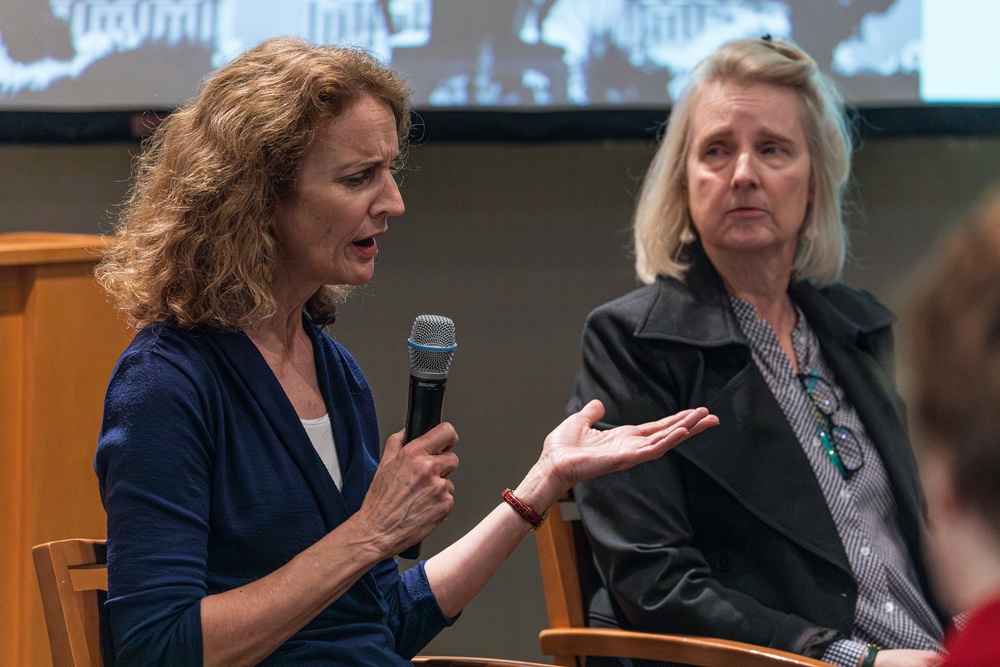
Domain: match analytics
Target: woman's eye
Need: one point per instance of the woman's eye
(358, 179)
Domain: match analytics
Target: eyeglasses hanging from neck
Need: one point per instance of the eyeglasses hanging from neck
(840, 443)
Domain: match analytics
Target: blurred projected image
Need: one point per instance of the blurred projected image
(151, 54)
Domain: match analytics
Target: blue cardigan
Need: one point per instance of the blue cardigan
(210, 482)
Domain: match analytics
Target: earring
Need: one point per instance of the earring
(687, 235)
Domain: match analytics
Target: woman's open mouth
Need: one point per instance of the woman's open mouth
(367, 247)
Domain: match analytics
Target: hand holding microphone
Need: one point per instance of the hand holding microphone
(432, 347)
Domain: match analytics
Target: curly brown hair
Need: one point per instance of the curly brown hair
(194, 238)
(954, 335)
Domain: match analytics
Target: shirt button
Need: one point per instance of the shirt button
(866, 551)
(845, 494)
(889, 607)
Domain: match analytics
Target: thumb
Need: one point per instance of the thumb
(592, 412)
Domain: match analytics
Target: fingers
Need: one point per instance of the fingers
(703, 424)
(447, 463)
(684, 418)
(679, 417)
(438, 440)
(411, 493)
(677, 428)
(432, 451)
(693, 420)
(425, 457)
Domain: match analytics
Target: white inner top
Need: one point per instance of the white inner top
(320, 432)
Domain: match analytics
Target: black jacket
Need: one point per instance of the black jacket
(729, 534)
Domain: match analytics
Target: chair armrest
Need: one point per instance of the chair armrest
(450, 661)
(689, 650)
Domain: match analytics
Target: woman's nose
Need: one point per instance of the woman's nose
(745, 171)
(390, 202)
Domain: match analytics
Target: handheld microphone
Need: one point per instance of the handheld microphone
(432, 346)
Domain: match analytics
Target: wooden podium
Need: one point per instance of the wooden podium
(59, 340)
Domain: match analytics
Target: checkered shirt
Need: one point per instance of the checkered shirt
(891, 610)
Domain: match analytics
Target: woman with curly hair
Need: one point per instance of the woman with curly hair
(251, 518)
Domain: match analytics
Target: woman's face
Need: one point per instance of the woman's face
(748, 169)
(344, 193)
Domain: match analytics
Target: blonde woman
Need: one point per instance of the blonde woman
(796, 523)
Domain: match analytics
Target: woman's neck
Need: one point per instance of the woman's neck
(283, 329)
(763, 282)
(288, 351)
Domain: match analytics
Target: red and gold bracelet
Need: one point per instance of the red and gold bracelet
(530, 515)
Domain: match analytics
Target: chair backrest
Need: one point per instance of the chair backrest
(565, 559)
(557, 540)
(73, 580)
(558, 558)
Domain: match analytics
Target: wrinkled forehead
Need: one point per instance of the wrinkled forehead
(720, 106)
(364, 132)
(721, 91)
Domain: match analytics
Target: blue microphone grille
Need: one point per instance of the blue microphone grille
(432, 344)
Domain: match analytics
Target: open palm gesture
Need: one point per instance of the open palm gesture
(575, 451)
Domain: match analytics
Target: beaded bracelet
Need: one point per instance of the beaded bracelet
(530, 515)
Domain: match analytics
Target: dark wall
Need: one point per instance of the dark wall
(517, 243)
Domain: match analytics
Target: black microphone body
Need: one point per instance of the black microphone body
(432, 344)
(425, 405)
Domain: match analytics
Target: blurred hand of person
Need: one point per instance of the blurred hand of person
(411, 493)
(907, 658)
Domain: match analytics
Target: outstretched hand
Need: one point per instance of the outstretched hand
(575, 451)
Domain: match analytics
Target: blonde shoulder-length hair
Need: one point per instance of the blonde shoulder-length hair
(194, 239)
(662, 224)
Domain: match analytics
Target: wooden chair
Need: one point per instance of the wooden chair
(562, 548)
(444, 661)
(73, 579)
